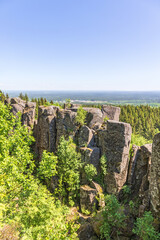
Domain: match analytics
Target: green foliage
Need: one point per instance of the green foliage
(85, 211)
(81, 116)
(126, 193)
(103, 165)
(144, 120)
(27, 209)
(126, 190)
(144, 228)
(47, 166)
(68, 102)
(106, 119)
(2, 96)
(90, 171)
(139, 140)
(113, 216)
(132, 207)
(69, 163)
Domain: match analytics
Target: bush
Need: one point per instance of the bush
(47, 166)
(113, 216)
(81, 116)
(90, 171)
(144, 228)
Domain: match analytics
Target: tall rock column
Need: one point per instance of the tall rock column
(154, 186)
(115, 145)
(45, 130)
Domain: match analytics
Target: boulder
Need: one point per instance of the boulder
(85, 137)
(116, 143)
(16, 108)
(88, 199)
(94, 118)
(111, 112)
(18, 101)
(154, 187)
(91, 198)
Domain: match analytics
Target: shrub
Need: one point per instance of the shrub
(113, 216)
(144, 228)
(106, 119)
(90, 171)
(81, 116)
(47, 166)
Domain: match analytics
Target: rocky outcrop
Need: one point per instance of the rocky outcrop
(91, 197)
(45, 129)
(111, 112)
(85, 137)
(65, 124)
(116, 143)
(28, 116)
(27, 109)
(141, 169)
(94, 118)
(154, 181)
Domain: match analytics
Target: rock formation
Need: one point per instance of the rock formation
(154, 181)
(27, 109)
(115, 145)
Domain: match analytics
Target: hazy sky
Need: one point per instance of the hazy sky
(80, 44)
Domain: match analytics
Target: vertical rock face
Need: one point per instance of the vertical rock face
(132, 163)
(154, 187)
(141, 164)
(85, 137)
(45, 130)
(26, 108)
(111, 112)
(139, 173)
(116, 143)
(66, 124)
(28, 115)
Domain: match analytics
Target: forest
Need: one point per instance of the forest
(30, 211)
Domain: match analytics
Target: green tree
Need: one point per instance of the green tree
(27, 209)
(47, 166)
(68, 169)
(81, 116)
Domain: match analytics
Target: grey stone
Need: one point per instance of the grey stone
(154, 180)
(45, 130)
(116, 142)
(88, 199)
(65, 124)
(85, 137)
(111, 112)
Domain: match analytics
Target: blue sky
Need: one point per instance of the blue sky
(80, 45)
